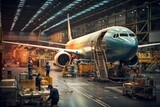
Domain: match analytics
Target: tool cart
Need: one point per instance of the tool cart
(140, 86)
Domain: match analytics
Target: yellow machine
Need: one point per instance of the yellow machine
(45, 80)
(86, 68)
(28, 89)
(69, 70)
(27, 85)
(149, 57)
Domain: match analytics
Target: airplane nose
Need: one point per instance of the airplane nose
(123, 48)
(131, 45)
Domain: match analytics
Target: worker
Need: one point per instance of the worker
(38, 81)
(47, 67)
(37, 63)
(54, 95)
(66, 67)
(9, 74)
(72, 67)
(30, 67)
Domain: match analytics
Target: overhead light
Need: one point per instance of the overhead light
(20, 6)
(80, 13)
(59, 13)
(45, 5)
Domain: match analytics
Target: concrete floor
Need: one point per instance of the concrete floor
(89, 93)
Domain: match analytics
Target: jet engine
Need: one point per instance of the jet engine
(133, 61)
(61, 58)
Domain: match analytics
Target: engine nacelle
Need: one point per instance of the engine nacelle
(61, 58)
(133, 61)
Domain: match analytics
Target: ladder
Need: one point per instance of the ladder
(100, 61)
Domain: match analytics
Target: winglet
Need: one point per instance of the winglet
(69, 29)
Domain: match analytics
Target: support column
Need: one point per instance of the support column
(1, 53)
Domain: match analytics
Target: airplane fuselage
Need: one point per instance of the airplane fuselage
(119, 43)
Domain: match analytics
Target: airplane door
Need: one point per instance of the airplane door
(99, 40)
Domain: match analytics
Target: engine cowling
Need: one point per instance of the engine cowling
(61, 58)
(133, 61)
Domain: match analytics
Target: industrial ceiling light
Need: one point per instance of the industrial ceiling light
(20, 6)
(80, 13)
(45, 5)
(59, 13)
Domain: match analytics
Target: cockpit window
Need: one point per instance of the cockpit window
(132, 35)
(123, 34)
(116, 35)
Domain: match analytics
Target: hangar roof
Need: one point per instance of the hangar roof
(49, 15)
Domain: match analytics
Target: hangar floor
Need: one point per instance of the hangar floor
(89, 93)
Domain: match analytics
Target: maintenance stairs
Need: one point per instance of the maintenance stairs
(100, 61)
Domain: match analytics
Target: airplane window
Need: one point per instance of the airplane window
(123, 34)
(115, 35)
(132, 35)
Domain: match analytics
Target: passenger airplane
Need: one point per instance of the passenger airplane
(119, 44)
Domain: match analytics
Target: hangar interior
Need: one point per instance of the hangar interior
(37, 32)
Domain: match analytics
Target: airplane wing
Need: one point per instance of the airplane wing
(147, 45)
(44, 47)
(53, 43)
